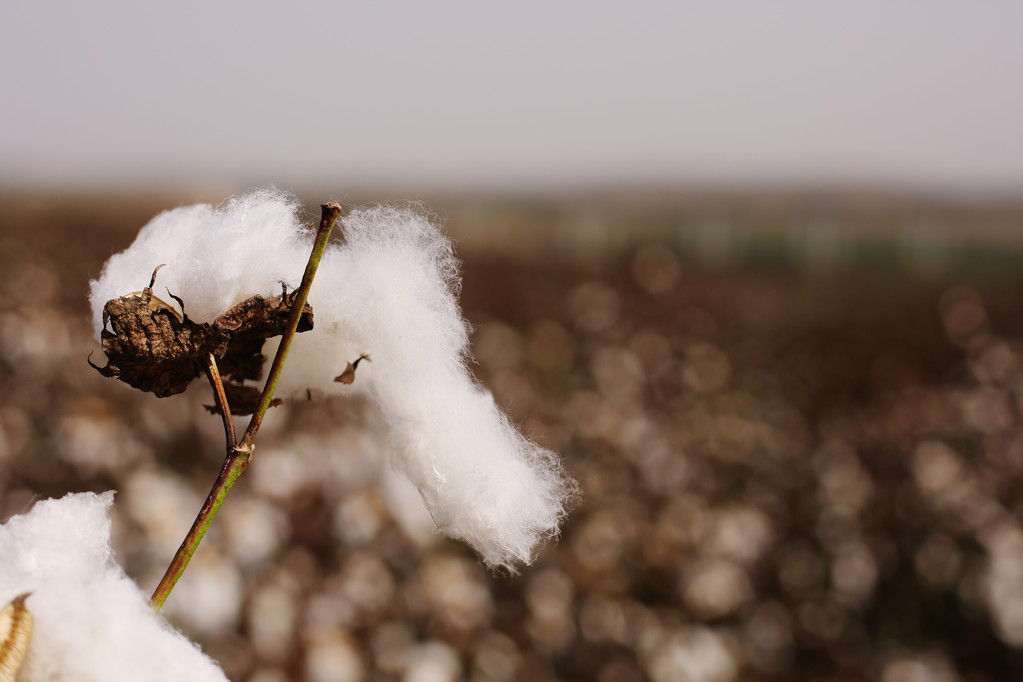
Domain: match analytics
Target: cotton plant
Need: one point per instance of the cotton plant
(203, 292)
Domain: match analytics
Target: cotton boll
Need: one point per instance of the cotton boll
(215, 257)
(91, 621)
(389, 291)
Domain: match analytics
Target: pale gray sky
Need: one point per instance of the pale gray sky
(454, 94)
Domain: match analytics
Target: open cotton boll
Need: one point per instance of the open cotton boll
(388, 291)
(91, 620)
(215, 257)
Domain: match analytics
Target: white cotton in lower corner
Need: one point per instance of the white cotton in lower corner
(91, 620)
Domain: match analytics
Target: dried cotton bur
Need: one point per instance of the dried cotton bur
(15, 632)
(388, 290)
(153, 347)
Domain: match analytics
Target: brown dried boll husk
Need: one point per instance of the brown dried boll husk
(250, 324)
(152, 347)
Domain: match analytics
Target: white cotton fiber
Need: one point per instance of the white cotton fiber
(91, 620)
(387, 291)
(215, 257)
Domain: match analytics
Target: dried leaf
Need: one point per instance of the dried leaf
(15, 633)
(348, 376)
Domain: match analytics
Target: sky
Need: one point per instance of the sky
(525, 95)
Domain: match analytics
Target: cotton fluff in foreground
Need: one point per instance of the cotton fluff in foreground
(91, 620)
(388, 291)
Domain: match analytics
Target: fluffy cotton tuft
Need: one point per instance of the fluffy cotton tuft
(91, 620)
(388, 291)
(215, 257)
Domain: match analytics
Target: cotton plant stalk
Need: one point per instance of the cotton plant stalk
(385, 304)
(239, 452)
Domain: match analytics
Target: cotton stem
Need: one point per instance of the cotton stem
(239, 452)
(329, 215)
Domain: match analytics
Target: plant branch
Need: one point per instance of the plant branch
(239, 453)
(213, 374)
(328, 217)
(232, 468)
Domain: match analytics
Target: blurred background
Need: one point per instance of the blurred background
(754, 271)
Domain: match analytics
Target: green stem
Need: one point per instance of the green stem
(328, 217)
(240, 454)
(235, 463)
(220, 395)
